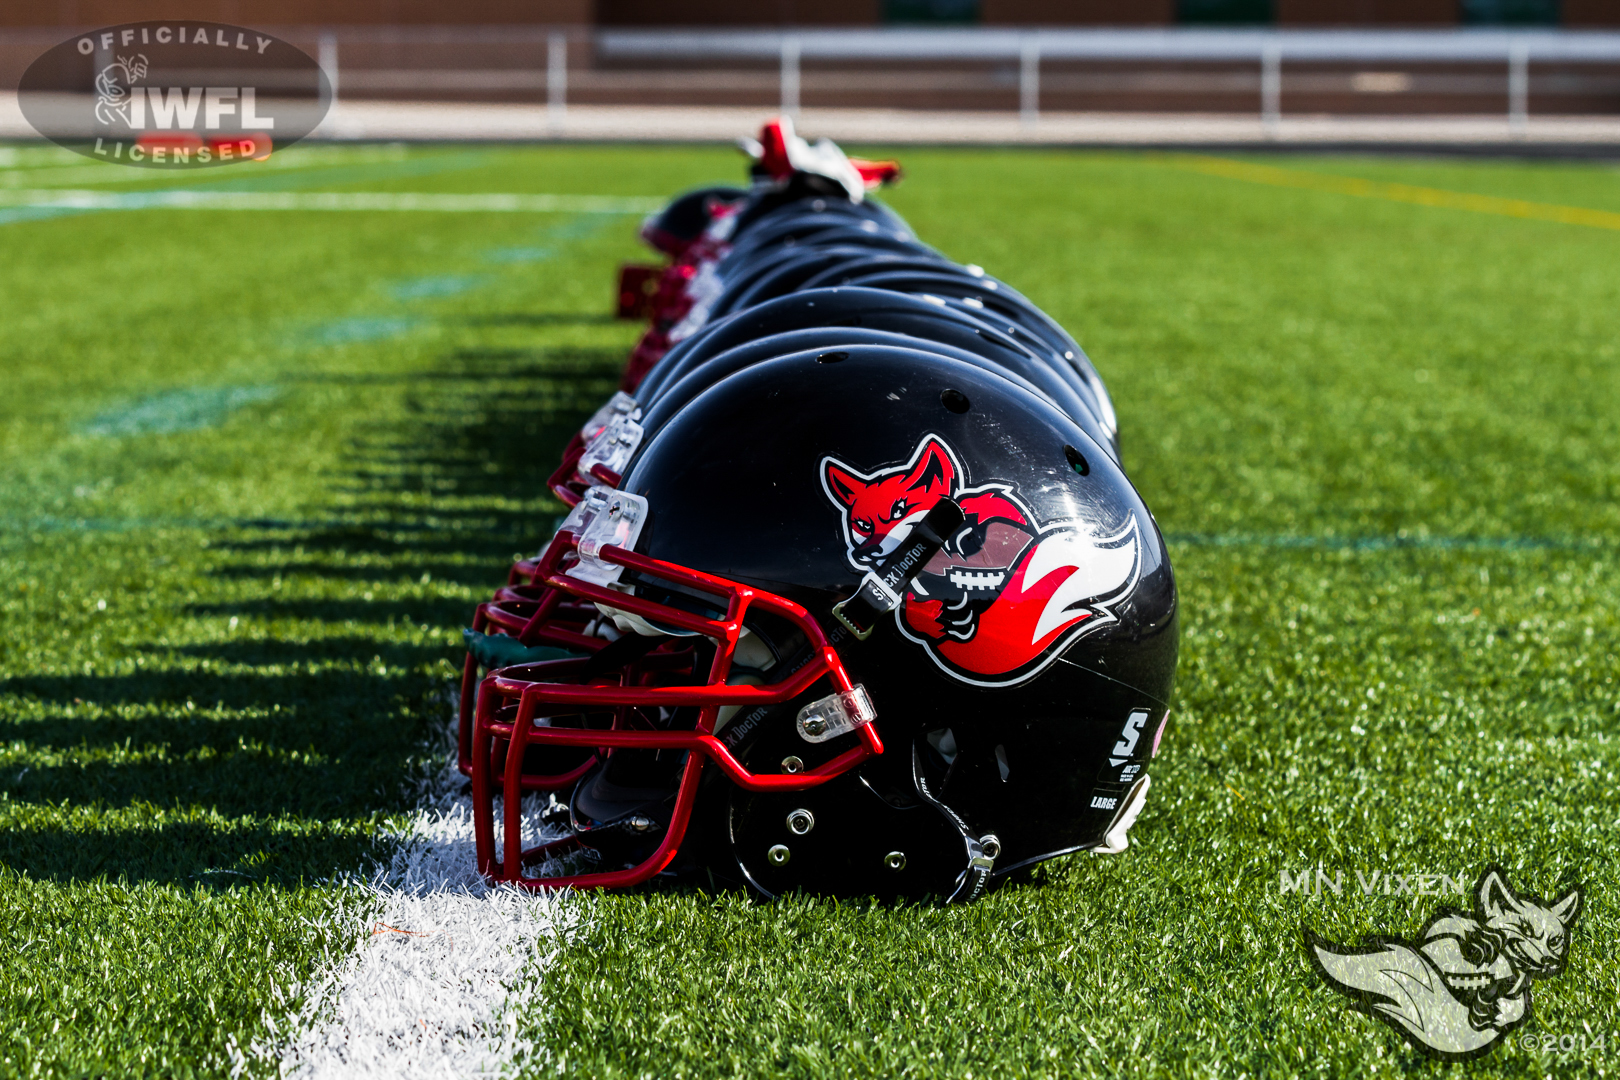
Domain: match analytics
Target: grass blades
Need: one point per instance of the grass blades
(256, 468)
(1381, 440)
(235, 553)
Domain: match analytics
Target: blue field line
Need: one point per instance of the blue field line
(318, 176)
(433, 285)
(55, 523)
(188, 409)
(359, 329)
(97, 172)
(331, 175)
(520, 254)
(16, 214)
(17, 527)
(554, 239)
(1389, 543)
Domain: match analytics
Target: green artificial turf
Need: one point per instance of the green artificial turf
(256, 468)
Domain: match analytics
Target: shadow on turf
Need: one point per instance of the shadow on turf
(289, 754)
(437, 570)
(483, 364)
(212, 854)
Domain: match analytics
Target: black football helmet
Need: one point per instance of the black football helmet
(665, 405)
(778, 277)
(854, 595)
(897, 312)
(824, 555)
(674, 229)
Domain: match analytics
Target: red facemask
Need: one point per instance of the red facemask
(547, 601)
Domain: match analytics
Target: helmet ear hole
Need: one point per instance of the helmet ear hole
(845, 839)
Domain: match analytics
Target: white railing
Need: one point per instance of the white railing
(1270, 50)
(535, 60)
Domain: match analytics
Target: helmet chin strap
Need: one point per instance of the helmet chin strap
(882, 590)
(973, 879)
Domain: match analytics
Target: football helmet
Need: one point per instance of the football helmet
(805, 676)
(687, 217)
(665, 405)
(928, 319)
(853, 595)
(777, 277)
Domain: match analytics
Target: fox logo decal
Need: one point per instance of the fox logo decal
(1006, 594)
(1465, 981)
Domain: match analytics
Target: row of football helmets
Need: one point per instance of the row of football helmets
(853, 595)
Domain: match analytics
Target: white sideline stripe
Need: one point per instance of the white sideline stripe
(425, 993)
(432, 202)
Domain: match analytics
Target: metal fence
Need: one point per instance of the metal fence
(1266, 51)
(1269, 72)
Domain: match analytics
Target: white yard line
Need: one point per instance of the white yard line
(426, 991)
(16, 172)
(433, 202)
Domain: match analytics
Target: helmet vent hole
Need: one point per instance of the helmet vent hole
(832, 357)
(1077, 461)
(955, 401)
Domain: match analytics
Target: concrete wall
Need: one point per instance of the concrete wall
(1591, 12)
(1289, 12)
(78, 13)
(1078, 12)
(737, 13)
(1367, 12)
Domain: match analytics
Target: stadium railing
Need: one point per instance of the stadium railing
(1266, 50)
(1264, 71)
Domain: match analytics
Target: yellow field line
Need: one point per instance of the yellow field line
(1403, 193)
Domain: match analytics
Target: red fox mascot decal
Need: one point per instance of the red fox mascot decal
(1006, 594)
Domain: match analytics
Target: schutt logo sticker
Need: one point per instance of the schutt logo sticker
(1007, 593)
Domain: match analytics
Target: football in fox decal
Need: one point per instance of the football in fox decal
(1006, 593)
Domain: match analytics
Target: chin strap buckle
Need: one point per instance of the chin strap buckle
(882, 590)
(835, 715)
